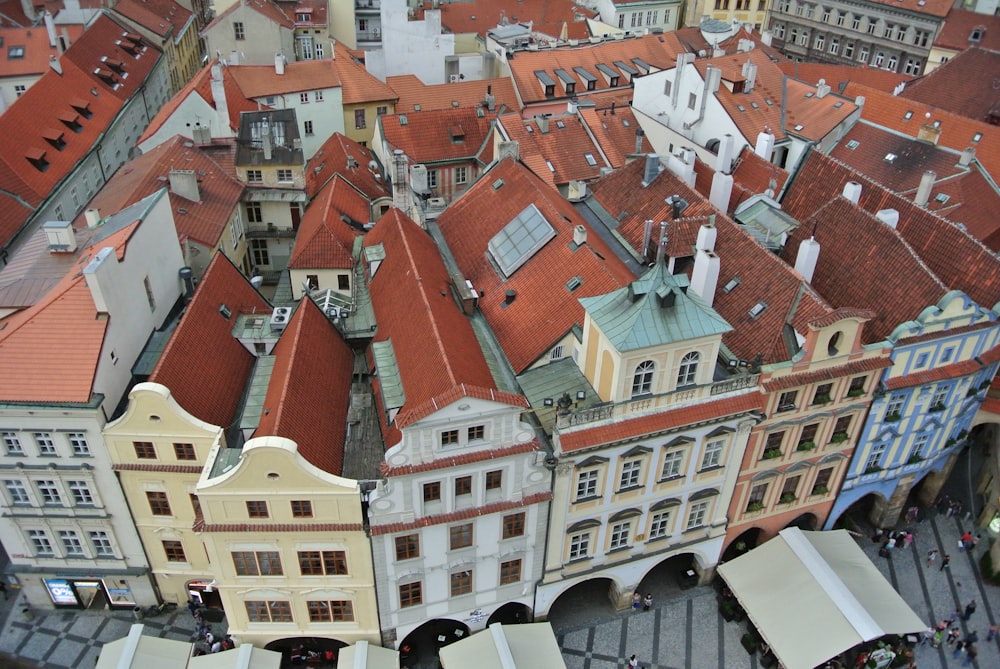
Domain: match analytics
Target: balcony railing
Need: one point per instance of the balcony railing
(364, 5)
(268, 231)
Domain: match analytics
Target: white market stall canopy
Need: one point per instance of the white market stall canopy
(138, 651)
(813, 595)
(528, 646)
(363, 655)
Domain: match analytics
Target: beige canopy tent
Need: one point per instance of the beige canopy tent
(137, 651)
(500, 646)
(814, 595)
(363, 655)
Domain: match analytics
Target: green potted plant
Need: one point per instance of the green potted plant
(937, 407)
(820, 490)
(873, 469)
(772, 453)
(914, 459)
(787, 498)
(855, 392)
(838, 437)
(806, 446)
(892, 417)
(754, 507)
(750, 643)
(727, 608)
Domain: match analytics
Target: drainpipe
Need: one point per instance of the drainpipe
(712, 77)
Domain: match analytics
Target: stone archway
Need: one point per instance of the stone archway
(303, 650)
(595, 597)
(806, 521)
(746, 541)
(511, 613)
(668, 577)
(422, 644)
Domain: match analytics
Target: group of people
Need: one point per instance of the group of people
(893, 540)
(205, 640)
(638, 600)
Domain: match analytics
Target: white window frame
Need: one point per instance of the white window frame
(673, 463)
(579, 545)
(586, 483)
(81, 493)
(101, 543)
(621, 534)
(46, 446)
(79, 445)
(659, 524)
(687, 373)
(41, 542)
(642, 378)
(630, 474)
(17, 492)
(713, 453)
(49, 493)
(697, 513)
(874, 458)
(12, 443)
(70, 540)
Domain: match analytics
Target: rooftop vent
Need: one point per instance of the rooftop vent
(279, 318)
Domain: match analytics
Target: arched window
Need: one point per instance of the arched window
(642, 380)
(688, 369)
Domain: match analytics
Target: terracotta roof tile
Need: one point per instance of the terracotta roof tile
(544, 309)
(659, 51)
(826, 374)
(956, 30)
(281, 528)
(310, 388)
(564, 146)
(35, 42)
(412, 91)
(614, 129)
(952, 371)
(169, 469)
(203, 221)
(838, 76)
(428, 136)
(358, 86)
(972, 200)
(410, 294)
(465, 514)
(266, 8)
(956, 86)
(463, 459)
(356, 164)
(752, 175)
(324, 240)
(930, 7)
(662, 421)
(548, 17)
(258, 81)
(161, 17)
(203, 365)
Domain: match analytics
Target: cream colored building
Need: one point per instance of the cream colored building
(158, 450)
(288, 545)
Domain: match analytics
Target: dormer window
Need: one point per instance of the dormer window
(71, 120)
(977, 34)
(115, 64)
(82, 107)
(55, 138)
(642, 379)
(548, 84)
(37, 159)
(107, 76)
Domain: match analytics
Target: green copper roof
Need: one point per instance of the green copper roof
(653, 310)
(389, 380)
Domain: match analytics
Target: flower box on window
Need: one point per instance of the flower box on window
(937, 407)
(787, 498)
(838, 437)
(753, 507)
(821, 399)
(893, 417)
(855, 392)
(874, 469)
(914, 459)
(771, 453)
(805, 446)
(820, 490)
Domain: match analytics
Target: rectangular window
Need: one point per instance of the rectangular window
(12, 443)
(659, 526)
(48, 492)
(756, 500)
(787, 400)
(894, 409)
(174, 551)
(19, 89)
(102, 544)
(461, 583)
(713, 453)
(510, 572)
(411, 594)
(257, 509)
(912, 67)
(672, 462)
(789, 491)
(304, 98)
(919, 448)
(257, 563)
(158, 503)
(692, 100)
(849, 50)
(144, 450)
(255, 176)
(834, 45)
(323, 563)
(630, 474)
(476, 433)
(254, 212)
(336, 611)
(195, 503)
(407, 546)
(359, 119)
(40, 542)
(302, 508)
(579, 546)
(258, 249)
(460, 536)
(696, 516)
(17, 492)
(513, 525)
(820, 42)
(807, 438)
(449, 437)
(432, 178)
(821, 485)
(285, 176)
(863, 54)
(308, 125)
(81, 493)
(71, 543)
(150, 297)
(772, 448)
(586, 484)
(841, 17)
(269, 611)
(43, 440)
(461, 175)
(494, 480)
(78, 442)
(857, 386)
(343, 282)
(842, 427)
(855, 22)
(432, 491)
(874, 461)
(381, 111)
(940, 396)
(239, 32)
(621, 533)
(184, 451)
(463, 486)
(822, 395)
(318, 96)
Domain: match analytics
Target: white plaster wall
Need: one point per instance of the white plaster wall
(418, 47)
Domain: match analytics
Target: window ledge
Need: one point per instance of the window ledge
(620, 549)
(713, 468)
(670, 479)
(631, 488)
(581, 500)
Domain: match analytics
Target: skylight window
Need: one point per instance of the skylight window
(799, 127)
(942, 198)
(741, 108)
(15, 52)
(625, 122)
(889, 157)
(810, 94)
(978, 136)
(769, 102)
(838, 104)
(731, 285)
(560, 124)
(907, 116)
(755, 105)
(756, 310)
(549, 164)
(590, 159)
(520, 239)
(574, 283)
(853, 144)
(403, 120)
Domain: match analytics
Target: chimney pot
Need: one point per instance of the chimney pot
(806, 258)
(579, 235)
(924, 189)
(968, 155)
(852, 191)
(888, 216)
(185, 184)
(93, 217)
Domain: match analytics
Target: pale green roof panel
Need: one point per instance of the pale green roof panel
(389, 380)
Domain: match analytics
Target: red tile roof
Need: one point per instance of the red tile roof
(464, 459)
(465, 514)
(411, 293)
(53, 104)
(203, 365)
(282, 528)
(258, 81)
(35, 42)
(909, 116)
(412, 91)
(165, 18)
(838, 76)
(356, 164)
(429, 136)
(752, 175)
(957, 86)
(662, 421)
(204, 221)
(548, 17)
(144, 467)
(937, 8)
(659, 51)
(544, 309)
(324, 240)
(565, 146)
(266, 8)
(957, 30)
(827, 374)
(952, 371)
(972, 201)
(310, 388)
(358, 86)
(614, 129)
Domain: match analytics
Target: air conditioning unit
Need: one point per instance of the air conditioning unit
(279, 318)
(453, 78)
(437, 202)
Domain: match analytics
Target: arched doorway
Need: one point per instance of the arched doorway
(593, 598)
(744, 543)
(313, 651)
(806, 521)
(422, 644)
(204, 593)
(670, 576)
(864, 515)
(511, 613)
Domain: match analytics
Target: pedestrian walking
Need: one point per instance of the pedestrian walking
(911, 514)
(908, 539)
(959, 646)
(971, 638)
(970, 655)
(193, 606)
(647, 602)
(992, 632)
(932, 556)
(966, 540)
(636, 600)
(945, 561)
(975, 541)
(970, 608)
(944, 504)
(209, 637)
(900, 539)
(953, 635)
(216, 647)
(633, 663)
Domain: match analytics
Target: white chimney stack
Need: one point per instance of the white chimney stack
(822, 89)
(93, 217)
(751, 76)
(100, 277)
(805, 260)
(765, 144)
(968, 155)
(924, 189)
(852, 191)
(219, 97)
(60, 235)
(888, 216)
(185, 184)
(766, 38)
(707, 234)
(722, 190)
(55, 64)
(724, 160)
(579, 235)
(652, 169)
(50, 28)
(279, 64)
(705, 275)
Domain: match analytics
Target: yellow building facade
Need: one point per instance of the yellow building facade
(288, 547)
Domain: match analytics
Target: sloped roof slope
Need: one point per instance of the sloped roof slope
(471, 93)
(958, 86)
(324, 239)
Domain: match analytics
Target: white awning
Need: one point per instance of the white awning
(363, 655)
(505, 647)
(813, 595)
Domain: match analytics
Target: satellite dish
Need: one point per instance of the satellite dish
(257, 281)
